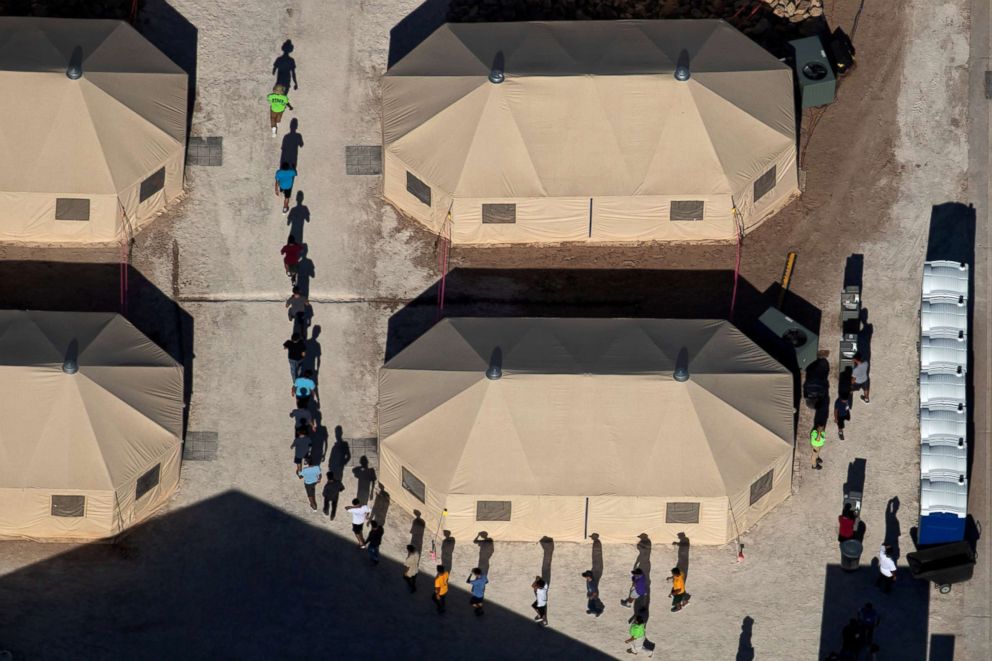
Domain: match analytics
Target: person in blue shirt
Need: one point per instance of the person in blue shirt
(285, 176)
(478, 582)
(303, 389)
(311, 477)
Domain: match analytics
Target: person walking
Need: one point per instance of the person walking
(303, 389)
(637, 636)
(303, 418)
(301, 447)
(593, 605)
(680, 598)
(411, 566)
(478, 581)
(285, 176)
(332, 489)
(278, 102)
(868, 618)
(311, 476)
(860, 379)
(540, 605)
(359, 515)
(816, 440)
(846, 524)
(291, 253)
(440, 588)
(296, 351)
(296, 303)
(842, 414)
(374, 541)
(886, 569)
(638, 587)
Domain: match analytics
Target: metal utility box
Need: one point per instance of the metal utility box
(804, 341)
(815, 76)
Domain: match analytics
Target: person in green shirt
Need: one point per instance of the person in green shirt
(636, 640)
(816, 440)
(278, 102)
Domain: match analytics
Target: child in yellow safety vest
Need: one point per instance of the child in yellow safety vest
(278, 102)
(817, 438)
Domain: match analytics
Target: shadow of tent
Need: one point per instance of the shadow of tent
(232, 577)
(175, 36)
(902, 630)
(85, 287)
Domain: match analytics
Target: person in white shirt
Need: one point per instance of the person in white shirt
(359, 515)
(886, 569)
(540, 604)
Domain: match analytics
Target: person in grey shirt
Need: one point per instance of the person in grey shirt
(859, 377)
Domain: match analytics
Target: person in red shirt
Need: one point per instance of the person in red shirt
(291, 253)
(846, 524)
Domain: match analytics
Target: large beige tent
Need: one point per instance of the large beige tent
(589, 136)
(91, 417)
(586, 429)
(93, 158)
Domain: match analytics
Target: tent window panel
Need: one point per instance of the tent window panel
(70, 506)
(764, 184)
(761, 486)
(413, 484)
(499, 214)
(686, 210)
(493, 510)
(152, 185)
(147, 482)
(418, 189)
(72, 208)
(682, 513)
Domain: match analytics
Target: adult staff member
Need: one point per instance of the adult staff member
(859, 378)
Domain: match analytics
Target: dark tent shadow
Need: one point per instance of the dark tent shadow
(83, 287)
(172, 34)
(232, 577)
(902, 631)
(415, 27)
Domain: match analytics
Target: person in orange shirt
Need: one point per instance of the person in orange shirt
(440, 588)
(680, 598)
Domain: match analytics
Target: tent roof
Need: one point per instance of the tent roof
(588, 108)
(586, 407)
(97, 428)
(100, 134)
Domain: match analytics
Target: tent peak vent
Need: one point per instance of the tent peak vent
(681, 373)
(496, 72)
(71, 363)
(75, 69)
(495, 370)
(682, 66)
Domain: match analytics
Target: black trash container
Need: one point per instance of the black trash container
(850, 554)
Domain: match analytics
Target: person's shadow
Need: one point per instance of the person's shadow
(892, 529)
(447, 550)
(380, 509)
(864, 337)
(597, 557)
(312, 359)
(365, 475)
(745, 651)
(548, 547)
(306, 272)
(318, 443)
(284, 67)
(417, 529)
(292, 142)
(298, 216)
(642, 605)
(340, 453)
(683, 554)
(486, 550)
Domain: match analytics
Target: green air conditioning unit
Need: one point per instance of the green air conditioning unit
(817, 83)
(801, 339)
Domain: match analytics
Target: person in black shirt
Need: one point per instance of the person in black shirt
(296, 349)
(374, 541)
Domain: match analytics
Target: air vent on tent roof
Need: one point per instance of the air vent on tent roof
(75, 69)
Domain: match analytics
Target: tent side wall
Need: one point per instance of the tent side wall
(742, 515)
(785, 190)
(27, 514)
(30, 218)
(131, 511)
(394, 189)
(140, 212)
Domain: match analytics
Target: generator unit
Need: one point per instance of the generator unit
(802, 340)
(815, 76)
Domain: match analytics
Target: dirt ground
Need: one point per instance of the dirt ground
(892, 147)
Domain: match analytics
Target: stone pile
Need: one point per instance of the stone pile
(735, 11)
